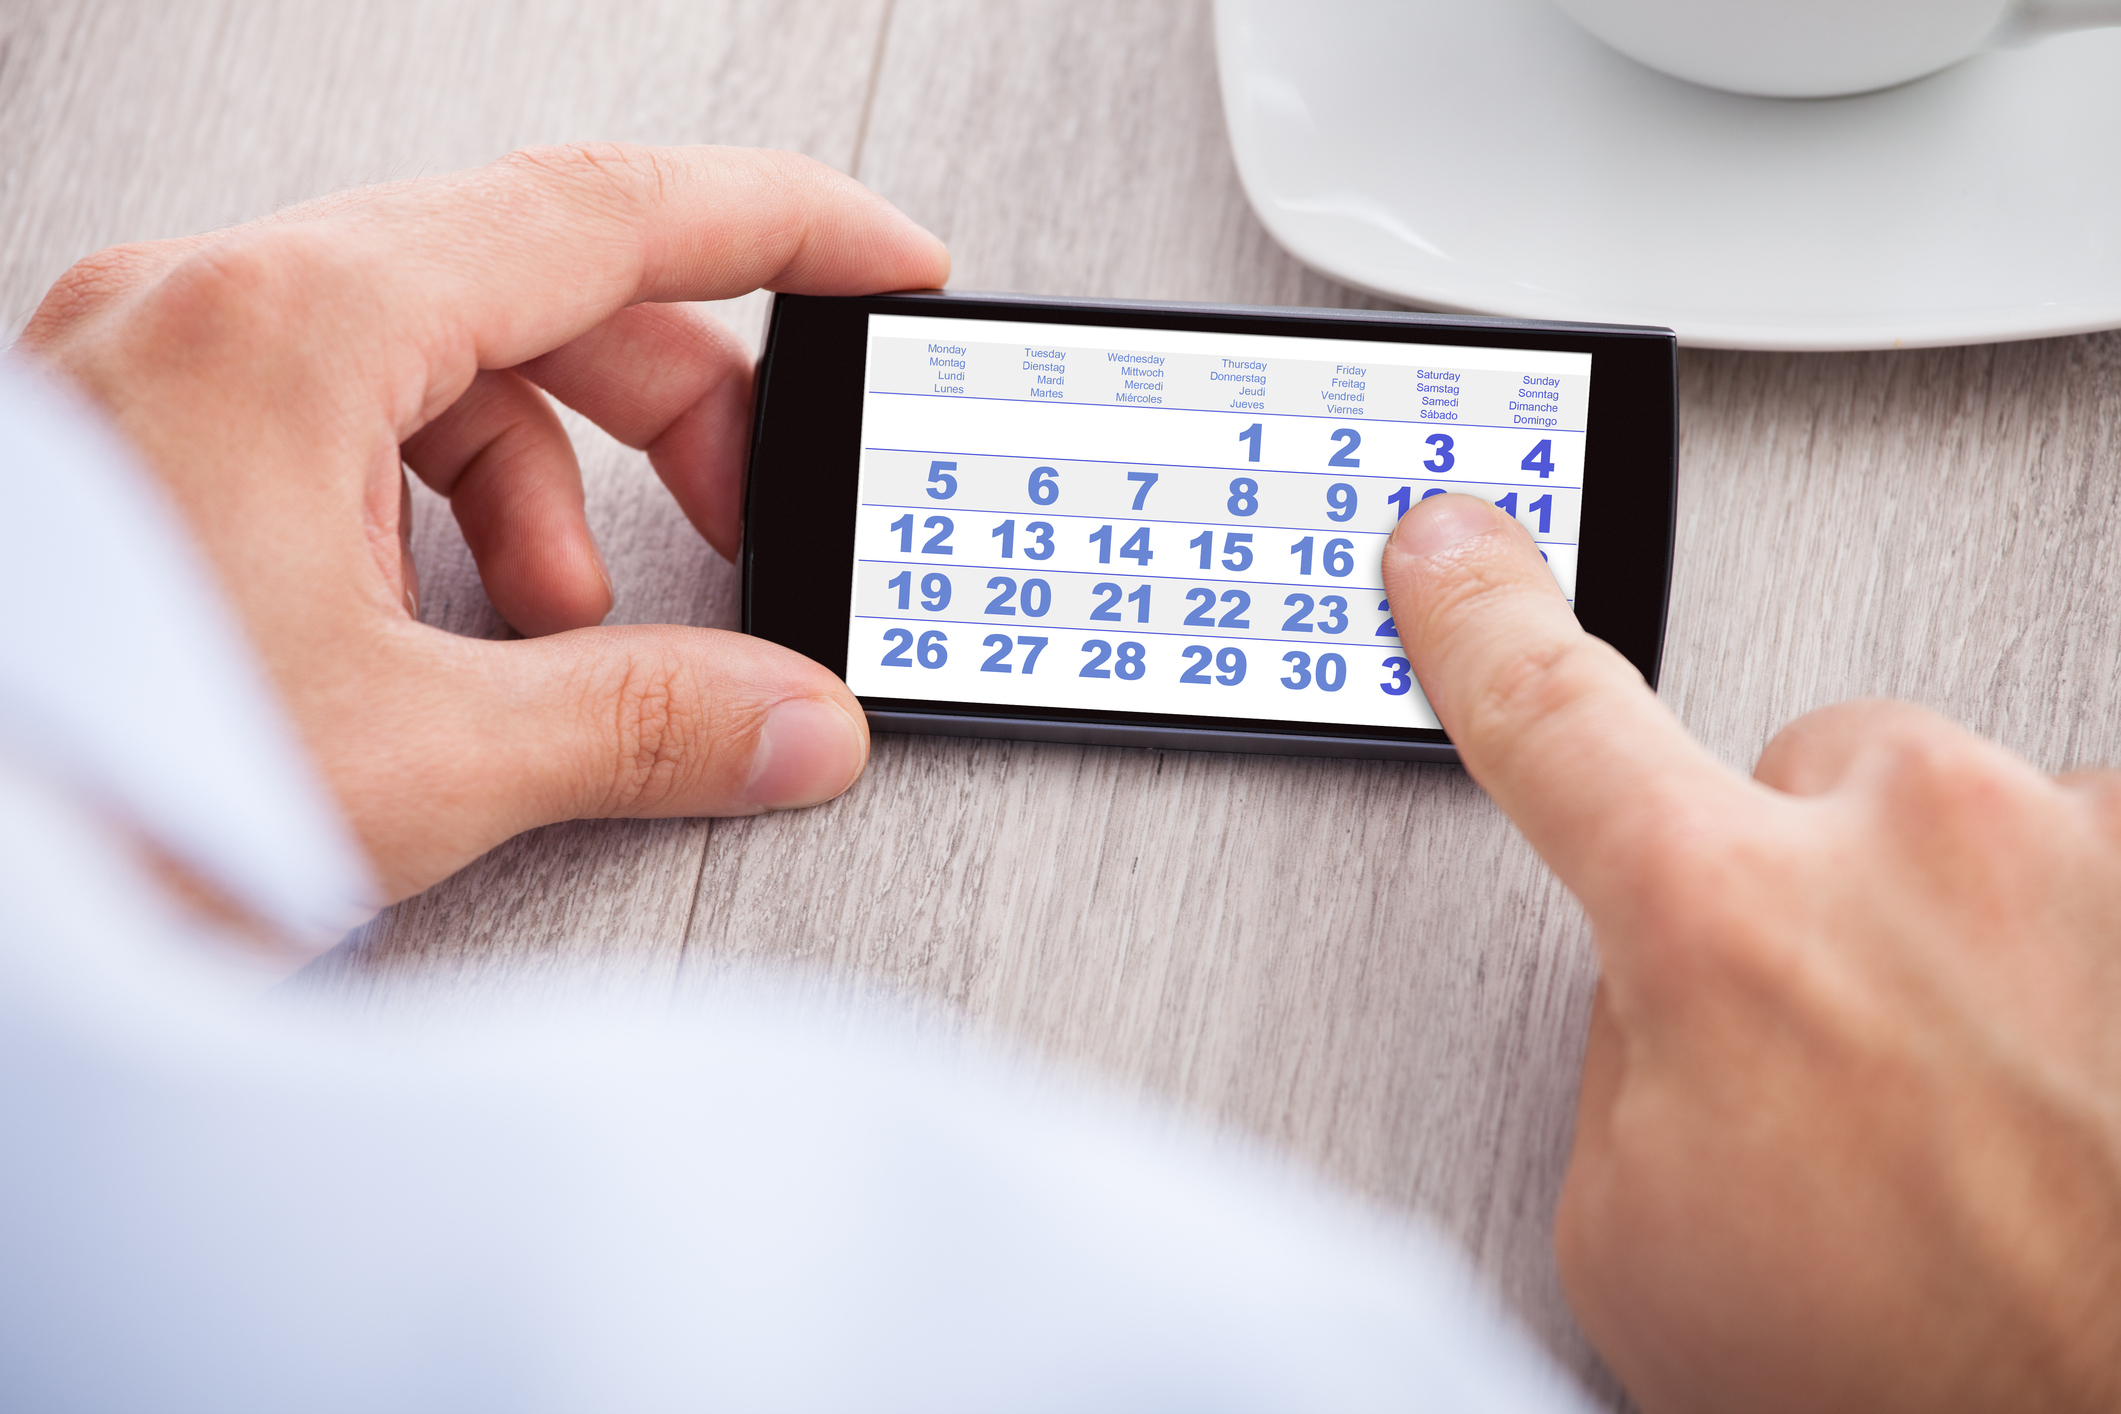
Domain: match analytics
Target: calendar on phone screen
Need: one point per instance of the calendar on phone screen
(1116, 519)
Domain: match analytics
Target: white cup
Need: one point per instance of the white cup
(1821, 48)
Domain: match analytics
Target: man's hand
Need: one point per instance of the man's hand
(1850, 1128)
(276, 375)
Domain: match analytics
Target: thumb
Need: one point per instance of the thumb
(1557, 726)
(648, 721)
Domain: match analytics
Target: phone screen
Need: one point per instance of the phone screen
(1179, 522)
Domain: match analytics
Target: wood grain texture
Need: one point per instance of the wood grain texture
(1938, 525)
(1360, 962)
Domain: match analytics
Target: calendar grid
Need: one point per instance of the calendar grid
(1220, 561)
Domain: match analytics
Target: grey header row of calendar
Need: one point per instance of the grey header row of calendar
(1354, 388)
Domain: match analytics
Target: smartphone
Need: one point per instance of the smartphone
(1162, 525)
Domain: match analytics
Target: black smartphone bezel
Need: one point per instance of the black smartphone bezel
(799, 509)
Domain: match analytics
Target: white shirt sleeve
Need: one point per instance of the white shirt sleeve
(212, 1203)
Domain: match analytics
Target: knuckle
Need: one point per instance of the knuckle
(1901, 730)
(240, 295)
(656, 739)
(610, 173)
(797, 170)
(94, 282)
(1928, 768)
(1800, 738)
(1460, 588)
(1861, 717)
(1803, 755)
(1872, 744)
(1531, 686)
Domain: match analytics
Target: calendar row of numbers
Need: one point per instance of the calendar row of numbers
(1068, 544)
(1305, 444)
(894, 589)
(1127, 660)
(1359, 500)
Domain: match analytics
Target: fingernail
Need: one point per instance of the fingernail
(809, 751)
(1440, 522)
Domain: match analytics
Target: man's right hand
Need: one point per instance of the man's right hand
(1850, 1127)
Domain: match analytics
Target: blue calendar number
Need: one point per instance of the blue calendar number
(1543, 507)
(1404, 497)
(1135, 548)
(941, 484)
(1338, 560)
(1349, 440)
(1443, 460)
(1035, 597)
(1402, 677)
(998, 660)
(1041, 533)
(935, 590)
(1203, 614)
(936, 544)
(930, 651)
(1107, 608)
(1237, 548)
(1129, 662)
(1044, 486)
(1540, 458)
(1330, 674)
(1229, 664)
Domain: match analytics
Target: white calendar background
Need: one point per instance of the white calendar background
(1117, 519)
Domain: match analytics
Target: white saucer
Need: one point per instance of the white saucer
(1487, 155)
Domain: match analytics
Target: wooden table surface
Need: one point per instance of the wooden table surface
(1359, 962)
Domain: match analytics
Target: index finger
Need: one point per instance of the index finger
(490, 267)
(1558, 727)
